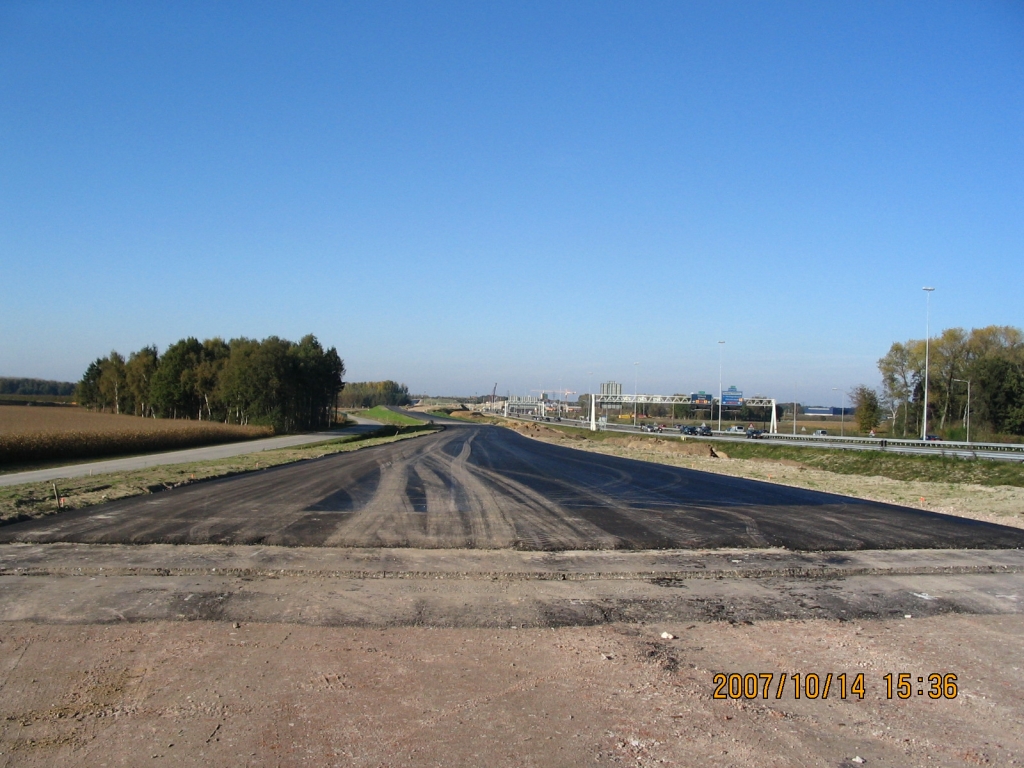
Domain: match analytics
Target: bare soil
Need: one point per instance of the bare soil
(216, 693)
(134, 655)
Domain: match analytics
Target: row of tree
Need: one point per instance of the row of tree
(12, 386)
(991, 359)
(291, 386)
(369, 394)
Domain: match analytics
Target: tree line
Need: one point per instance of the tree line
(369, 394)
(290, 386)
(14, 386)
(991, 359)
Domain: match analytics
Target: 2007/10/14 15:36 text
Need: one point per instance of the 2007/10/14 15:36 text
(811, 685)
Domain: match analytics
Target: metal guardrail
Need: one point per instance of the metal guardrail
(996, 451)
(884, 442)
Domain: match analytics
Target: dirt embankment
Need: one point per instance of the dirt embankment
(541, 432)
(658, 445)
(1002, 504)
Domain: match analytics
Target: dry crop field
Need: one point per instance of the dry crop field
(31, 434)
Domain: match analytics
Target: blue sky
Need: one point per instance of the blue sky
(533, 194)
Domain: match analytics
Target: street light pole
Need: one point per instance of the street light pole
(836, 389)
(968, 383)
(590, 384)
(927, 342)
(635, 369)
(842, 412)
(720, 385)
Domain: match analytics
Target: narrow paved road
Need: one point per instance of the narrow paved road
(487, 487)
(205, 453)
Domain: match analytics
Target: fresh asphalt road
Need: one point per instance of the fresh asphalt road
(205, 453)
(486, 487)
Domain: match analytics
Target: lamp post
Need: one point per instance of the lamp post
(927, 341)
(720, 385)
(590, 385)
(968, 383)
(635, 369)
(842, 412)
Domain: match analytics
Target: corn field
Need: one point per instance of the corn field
(31, 434)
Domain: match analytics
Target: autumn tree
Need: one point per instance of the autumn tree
(901, 369)
(275, 381)
(87, 391)
(991, 358)
(368, 394)
(868, 410)
(139, 371)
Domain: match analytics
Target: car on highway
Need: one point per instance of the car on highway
(735, 429)
(755, 434)
(932, 437)
(689, 431)
(703, 431)
(820, 433)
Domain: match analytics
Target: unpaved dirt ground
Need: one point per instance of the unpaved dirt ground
(211, 693)
(1002, 504)
(286, 656)
(261, 656)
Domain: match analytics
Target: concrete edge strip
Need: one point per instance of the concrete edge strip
(821, 572)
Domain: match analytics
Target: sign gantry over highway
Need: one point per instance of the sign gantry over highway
(606, 400)
(533, 406)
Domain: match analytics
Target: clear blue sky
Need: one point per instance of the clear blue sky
(533, 194)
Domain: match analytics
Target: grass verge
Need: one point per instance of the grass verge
(896, 466)
(32, 500)
(385, 416)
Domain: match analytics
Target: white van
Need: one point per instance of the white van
(820, 433)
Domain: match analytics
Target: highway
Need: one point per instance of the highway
(485, 487)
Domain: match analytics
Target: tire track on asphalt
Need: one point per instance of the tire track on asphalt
(486, 487)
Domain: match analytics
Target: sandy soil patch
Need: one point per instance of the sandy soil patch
(540, 431)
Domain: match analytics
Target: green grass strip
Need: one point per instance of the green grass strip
(385, 416)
